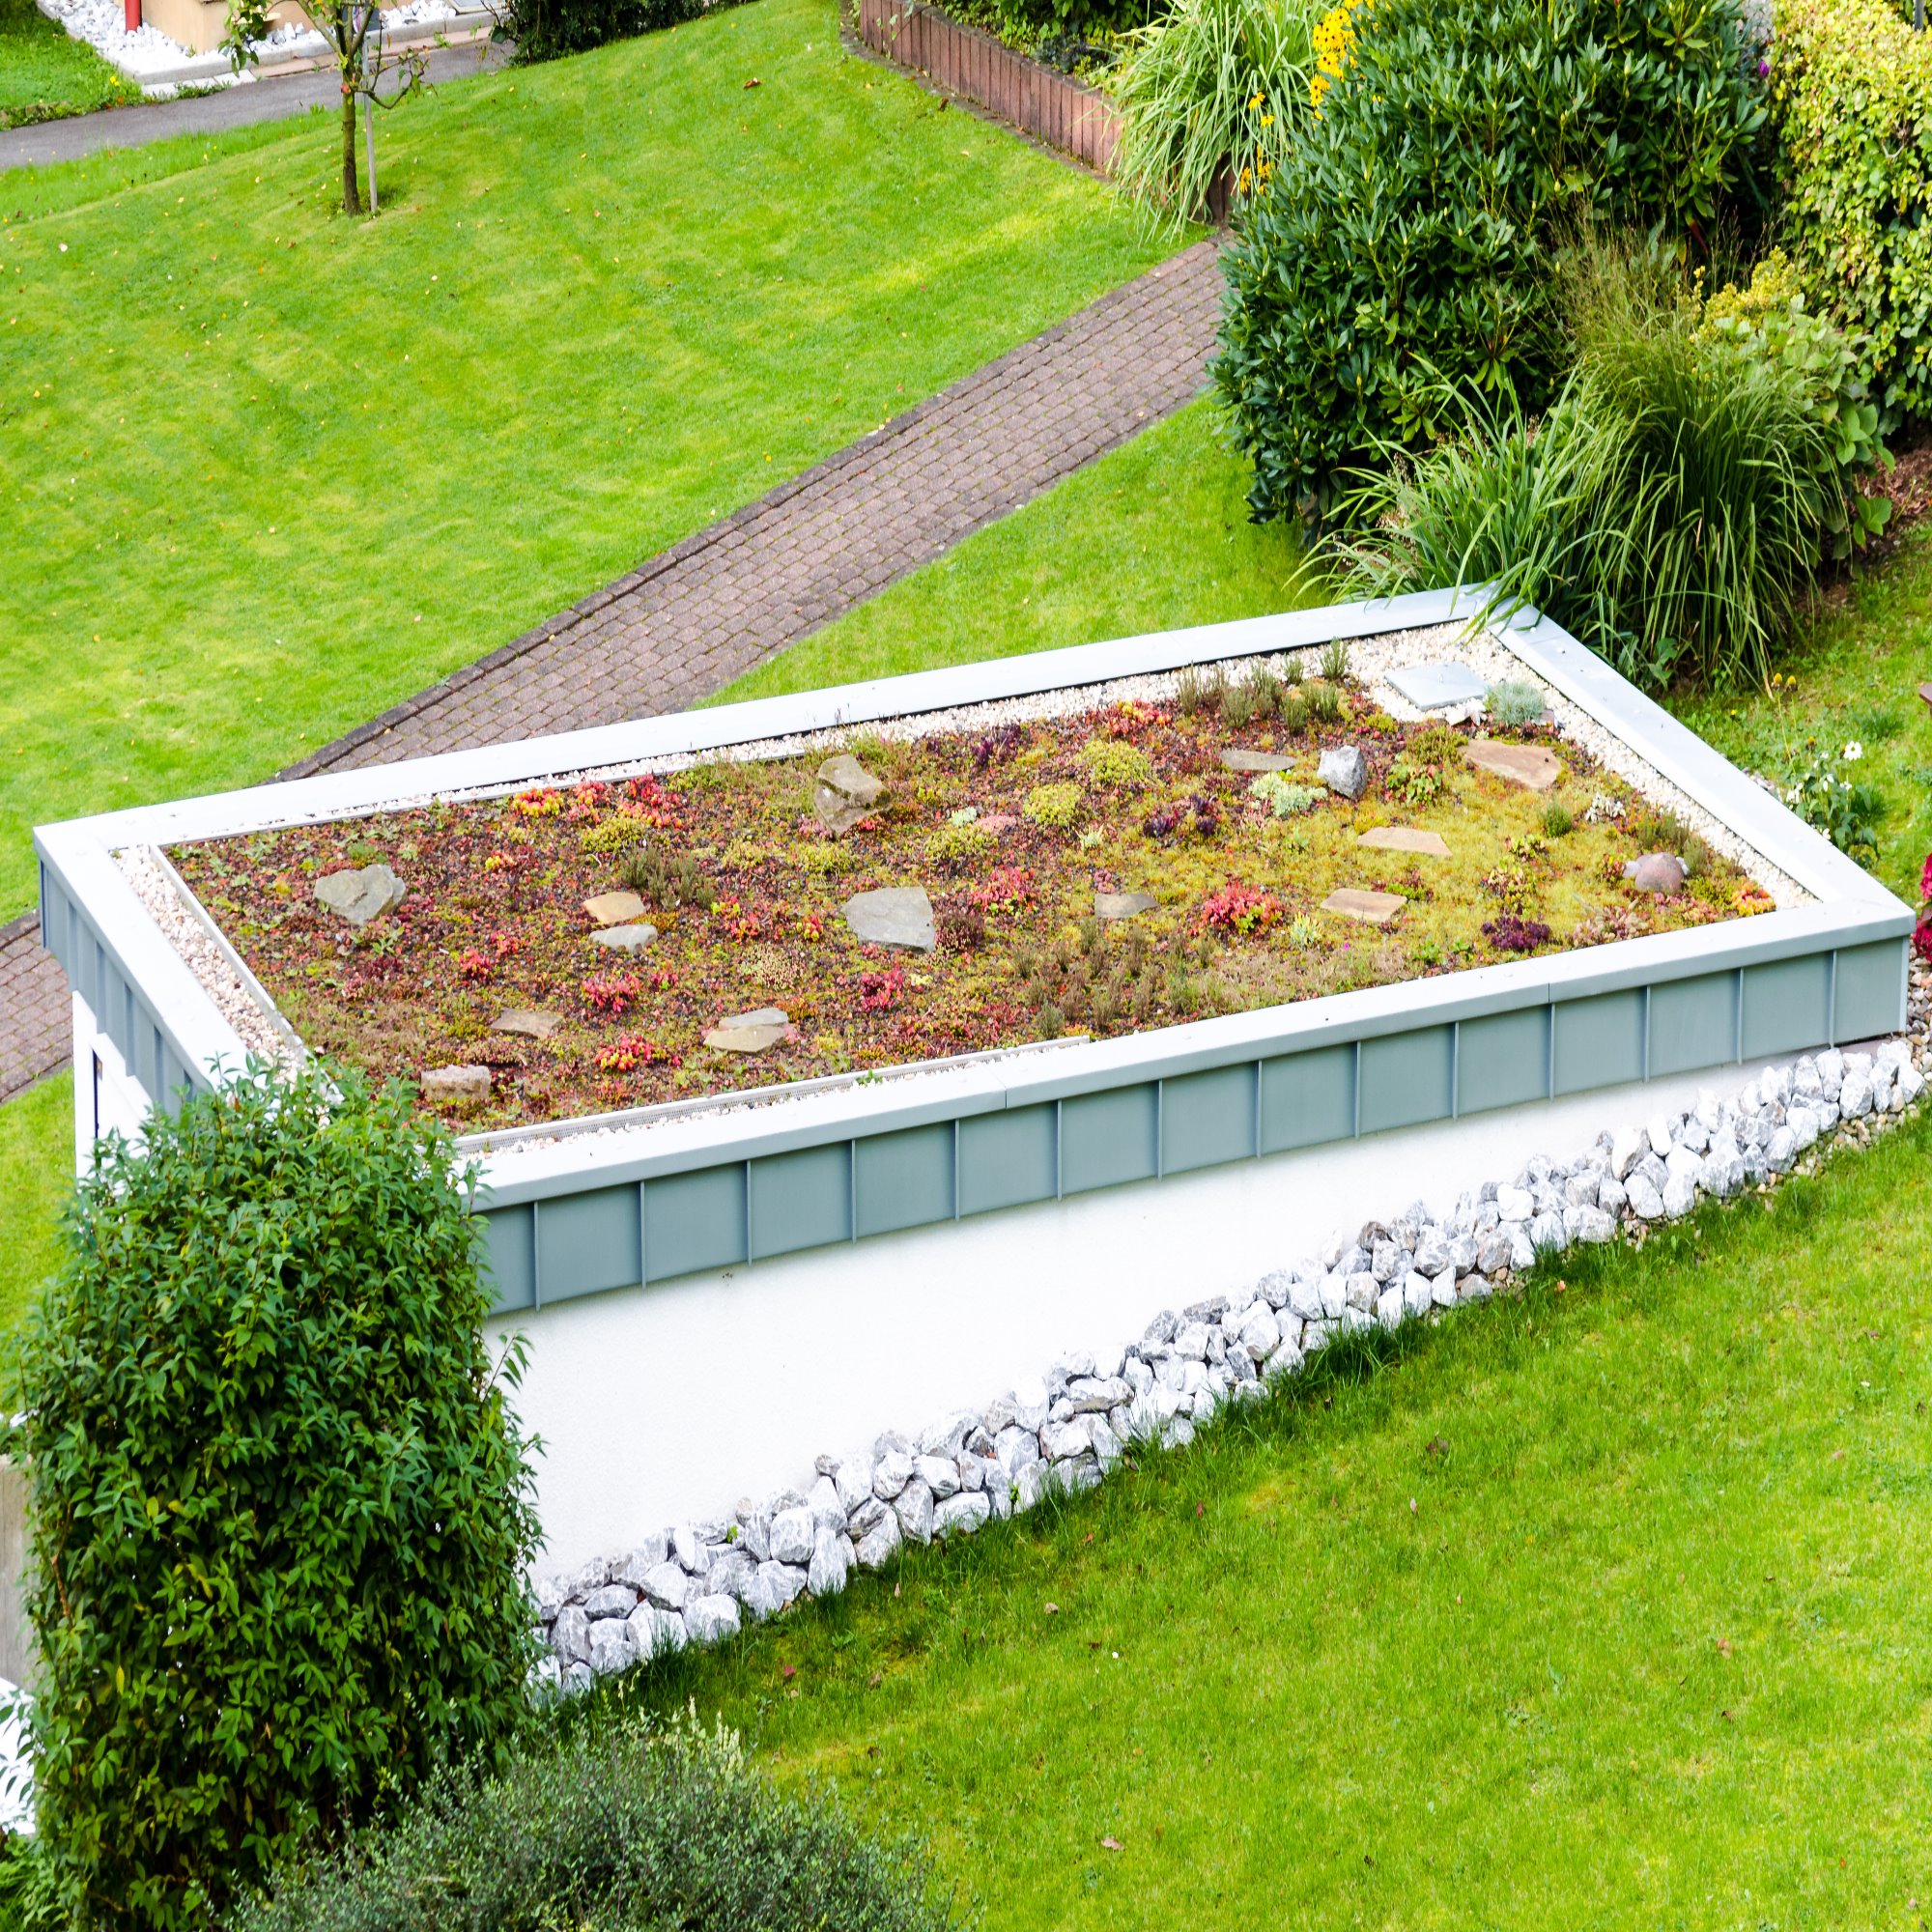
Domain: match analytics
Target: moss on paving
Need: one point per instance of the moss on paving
(1604, 1607)
(46, 75)
(271, 469)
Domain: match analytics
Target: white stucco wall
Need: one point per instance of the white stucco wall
(669, 1403)
(106, 1097)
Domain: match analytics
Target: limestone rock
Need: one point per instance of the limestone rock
(361, 895)
(846, 793)
(668, 1586)
(1534, 766)
(444, 1084)
(654, 1631)
(626, 939)
(878, 1545)
(914, 1507)
(830, 1562)
(611, 1648)
(1659, 872)
(529, 1021)
(613, 1600)
(570, 1634)
(712, 1619)
(961, 1515)
(940, 1474)
(754, 1032)
(892, 916)
(1123, 905)
(1404, 838)
(1371, 908)
(1343, 771)
(794, 1536)
(1237, 759)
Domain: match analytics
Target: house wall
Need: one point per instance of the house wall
(665, 1404)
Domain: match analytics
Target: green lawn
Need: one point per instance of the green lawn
(1153, 536)
(1603, 1607)
(45, 75)
(36, 1170)
(271, 469)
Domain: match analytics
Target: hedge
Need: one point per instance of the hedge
(1850, 88)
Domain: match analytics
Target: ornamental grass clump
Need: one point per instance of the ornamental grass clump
(279, 1504)
(1212, 86)
(1673, 507)
(1403, 247)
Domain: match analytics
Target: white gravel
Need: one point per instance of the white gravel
(154, 884)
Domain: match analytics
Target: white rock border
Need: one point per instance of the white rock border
(1064, 1431)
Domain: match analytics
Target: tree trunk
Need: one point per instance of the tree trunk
(351, 198)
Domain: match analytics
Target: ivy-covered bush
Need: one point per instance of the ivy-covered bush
(623, 1826)
(279, 1511)
(1850, 87)
(1059, 30)
(1403, 248)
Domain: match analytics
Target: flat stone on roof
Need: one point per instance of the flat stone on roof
(1533, 765)
(1438, 687)
(1404, 838)
(1372, 908)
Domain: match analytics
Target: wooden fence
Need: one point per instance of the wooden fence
(1052, 107)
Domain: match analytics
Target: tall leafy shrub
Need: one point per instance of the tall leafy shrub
(623, 1826)
(1405, 241)
(1850, 87)
(280, 1510)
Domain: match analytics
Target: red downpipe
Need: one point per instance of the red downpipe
(131, 15)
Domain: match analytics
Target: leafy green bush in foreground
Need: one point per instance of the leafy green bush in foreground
(1671, 507)
(1405, 241)
(629, 1829)
(278, 1510)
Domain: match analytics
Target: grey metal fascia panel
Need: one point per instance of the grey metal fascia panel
(105, 912)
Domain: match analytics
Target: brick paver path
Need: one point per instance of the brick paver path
(687, 622)
(683, 624)
(36, 1019)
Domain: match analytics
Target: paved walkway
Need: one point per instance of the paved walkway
(35, 1029)
(274, 100)
(686, 622)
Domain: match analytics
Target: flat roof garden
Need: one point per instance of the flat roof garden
(1100, 861)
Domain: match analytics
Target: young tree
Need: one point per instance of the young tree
(354, 31)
